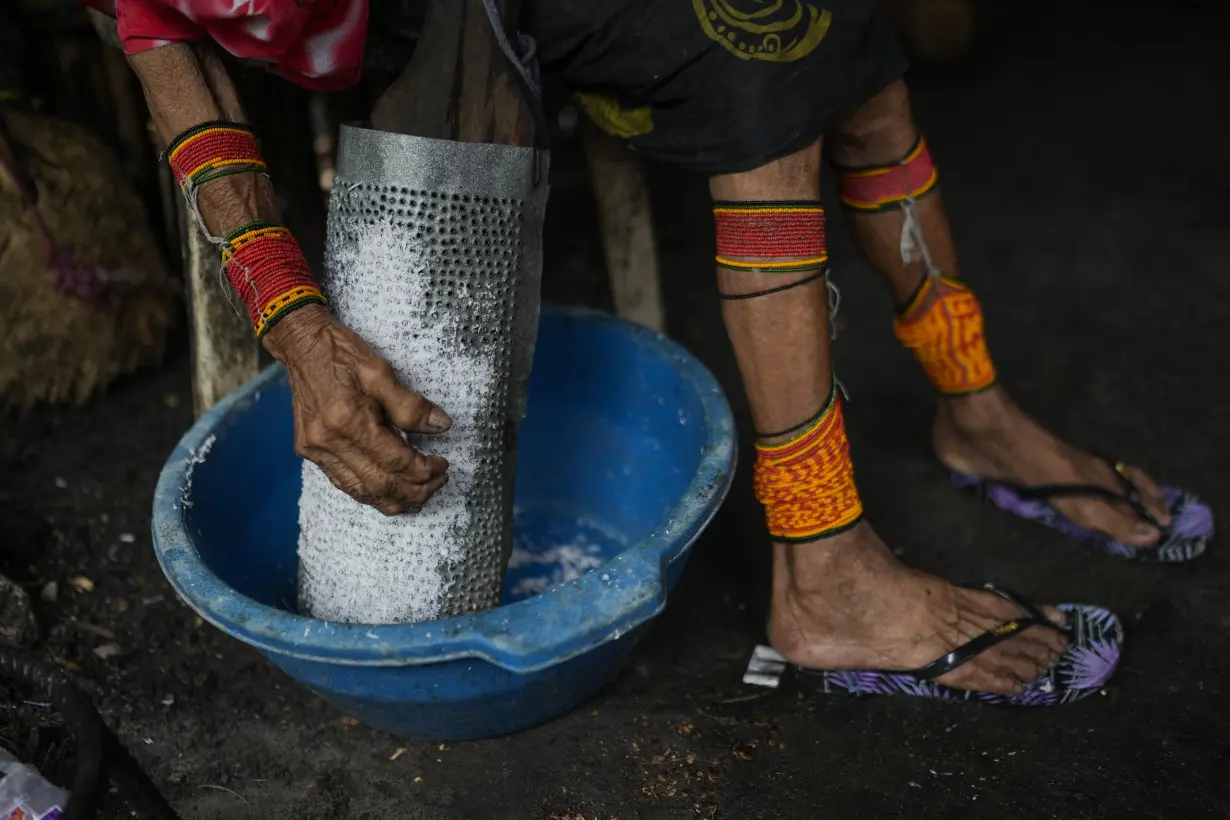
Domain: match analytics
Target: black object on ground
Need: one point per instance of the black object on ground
(99, 754)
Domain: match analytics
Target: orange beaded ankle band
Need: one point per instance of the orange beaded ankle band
(806, 484)
(942, 326)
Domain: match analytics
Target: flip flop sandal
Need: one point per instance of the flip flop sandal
(1189, 533)
(1095, 640)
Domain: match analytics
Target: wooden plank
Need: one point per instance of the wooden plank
(459, 85)
(625, 218)
(225, 353)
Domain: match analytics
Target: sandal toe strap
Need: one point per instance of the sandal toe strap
(1129, 493)
(973, 648)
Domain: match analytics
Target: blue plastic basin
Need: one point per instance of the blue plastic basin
(626, 453)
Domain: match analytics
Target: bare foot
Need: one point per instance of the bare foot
(988, 436)
(847, 603)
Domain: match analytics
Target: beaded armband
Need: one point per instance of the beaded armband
(883, 187)
(942, 326)
(806, 484)
(770, 237)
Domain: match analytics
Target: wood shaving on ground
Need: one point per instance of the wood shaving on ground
(108, 650)
(228, 791)
(100, 631)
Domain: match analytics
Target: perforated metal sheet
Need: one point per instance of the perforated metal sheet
(434, 257)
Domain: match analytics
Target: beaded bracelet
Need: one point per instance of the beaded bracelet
(267, 268)
(212, 150)
(262, 260)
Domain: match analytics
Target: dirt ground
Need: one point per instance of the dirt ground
(1082, 156)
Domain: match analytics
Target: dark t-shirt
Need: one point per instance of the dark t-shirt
(716, 85)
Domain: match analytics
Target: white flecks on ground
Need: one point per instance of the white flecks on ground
(356, 564)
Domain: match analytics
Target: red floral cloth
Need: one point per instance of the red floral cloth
(317, 44)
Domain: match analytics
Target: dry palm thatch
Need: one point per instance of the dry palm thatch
(85, 296)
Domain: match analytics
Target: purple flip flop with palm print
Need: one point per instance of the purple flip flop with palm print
(1187, 536)
(1095, 640)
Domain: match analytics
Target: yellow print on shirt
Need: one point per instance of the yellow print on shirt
(777, 31)
(613, 118)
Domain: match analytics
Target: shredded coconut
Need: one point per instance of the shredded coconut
(552, 567)
(197, 457)
(550, 550)
(356, 564)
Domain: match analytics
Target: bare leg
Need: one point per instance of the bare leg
(983, 434)
(845, 602)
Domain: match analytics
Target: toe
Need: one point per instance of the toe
(1026, 663)
(1117, 519)
(1045, 639)
(1032, 648)
(1151, 494)
(981, 676)
(1055, 615)
(1143, 534)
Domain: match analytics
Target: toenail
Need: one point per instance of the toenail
(1141, 528)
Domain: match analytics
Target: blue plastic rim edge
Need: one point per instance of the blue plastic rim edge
(620, 595)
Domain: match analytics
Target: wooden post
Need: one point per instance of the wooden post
(625, 219)
(225, 353)
(459, 85)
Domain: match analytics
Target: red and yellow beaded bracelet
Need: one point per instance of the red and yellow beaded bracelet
(212, 150)
(806, 484)
(262, 260)
(266, 266)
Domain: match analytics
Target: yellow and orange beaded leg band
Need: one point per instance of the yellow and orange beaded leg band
(807, 483)
(942, 326)
(770, 237)
(886, 187)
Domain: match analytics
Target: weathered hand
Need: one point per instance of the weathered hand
(348, 409)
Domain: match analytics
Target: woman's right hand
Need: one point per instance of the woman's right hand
(348, 406)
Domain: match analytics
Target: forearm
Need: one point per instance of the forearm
(185, 86)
